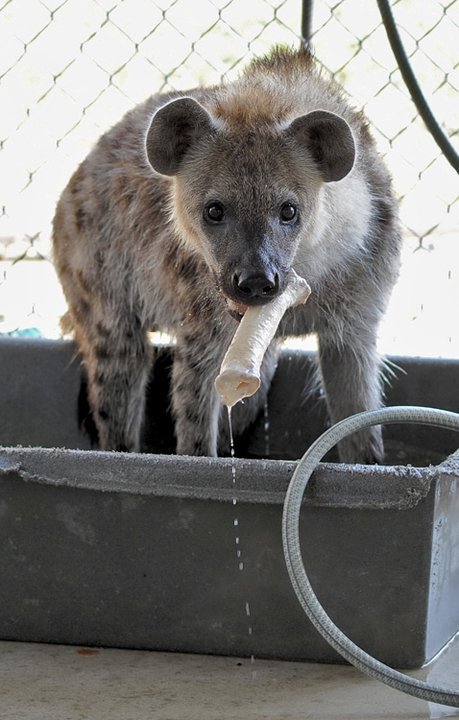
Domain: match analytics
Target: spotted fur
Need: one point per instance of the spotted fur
(133, 252)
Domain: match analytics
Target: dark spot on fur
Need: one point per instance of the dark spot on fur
(102, 330)
(84, 415)
(74, 184)
(198, 448)
(183, 266)
(85, 307)
(80, 219)
(192, 415)
(81, 311)
(103, 414)
(84, 282)
(102, 352)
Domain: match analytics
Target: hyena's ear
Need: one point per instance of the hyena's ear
(328, 139)
(174, 129)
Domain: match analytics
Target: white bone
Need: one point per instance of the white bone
(240, 370)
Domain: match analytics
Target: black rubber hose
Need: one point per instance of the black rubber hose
(306, 22)
(412, 84)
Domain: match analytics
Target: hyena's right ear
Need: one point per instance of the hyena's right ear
(175, 127)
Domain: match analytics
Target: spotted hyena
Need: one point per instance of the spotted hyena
(195, 206)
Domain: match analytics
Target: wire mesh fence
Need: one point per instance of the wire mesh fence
(70, 68)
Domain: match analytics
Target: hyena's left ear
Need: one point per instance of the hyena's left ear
(328, 139)
(175, 127)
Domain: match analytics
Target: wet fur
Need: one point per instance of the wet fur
(131, 255)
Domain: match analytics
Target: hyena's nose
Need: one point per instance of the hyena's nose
(256, 287)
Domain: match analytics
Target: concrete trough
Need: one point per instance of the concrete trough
(152, 551)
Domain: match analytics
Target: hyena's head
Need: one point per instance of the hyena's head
(245, 197)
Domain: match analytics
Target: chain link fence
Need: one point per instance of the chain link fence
(70, 68)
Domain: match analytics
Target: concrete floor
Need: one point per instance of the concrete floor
(51, 682)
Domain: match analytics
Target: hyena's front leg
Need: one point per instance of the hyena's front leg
(352, 382)
(195, 404)
(117, 360)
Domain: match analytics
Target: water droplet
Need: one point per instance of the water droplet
(266, 427)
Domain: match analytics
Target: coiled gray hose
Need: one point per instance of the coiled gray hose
(292, 551)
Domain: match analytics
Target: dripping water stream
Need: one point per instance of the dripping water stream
(237, 539)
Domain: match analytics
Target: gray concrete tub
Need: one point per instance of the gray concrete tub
(141, 551)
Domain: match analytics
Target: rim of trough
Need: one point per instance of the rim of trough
(257, 481)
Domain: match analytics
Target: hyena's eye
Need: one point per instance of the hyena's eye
(288, 212)
(214, 212)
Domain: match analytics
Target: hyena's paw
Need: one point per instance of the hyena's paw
(365, 447)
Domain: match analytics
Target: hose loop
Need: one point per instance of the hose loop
(292, 551)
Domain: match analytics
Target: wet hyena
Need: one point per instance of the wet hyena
(194, 207)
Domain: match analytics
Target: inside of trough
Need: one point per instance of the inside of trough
(45, 405)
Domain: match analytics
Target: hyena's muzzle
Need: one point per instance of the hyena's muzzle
(251, 279)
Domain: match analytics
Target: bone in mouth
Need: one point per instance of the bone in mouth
(240, 370)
